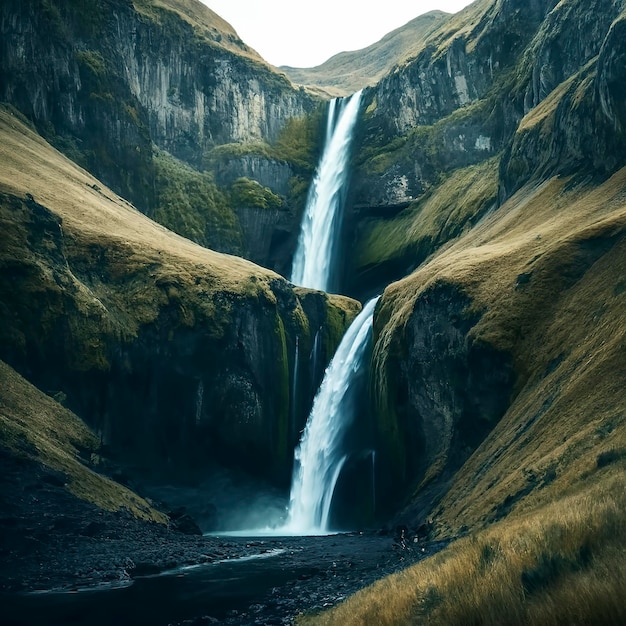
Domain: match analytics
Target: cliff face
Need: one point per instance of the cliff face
(107, 82)
(459, 104)
(507, 243)
(175, 355)
(579, 127)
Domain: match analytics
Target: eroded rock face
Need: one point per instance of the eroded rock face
(460, 101)
(172, 371)
(438, 394)
(580, 129)
(453, 73)
(108, 82)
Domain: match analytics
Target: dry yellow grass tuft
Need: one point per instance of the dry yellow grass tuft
(564, 563)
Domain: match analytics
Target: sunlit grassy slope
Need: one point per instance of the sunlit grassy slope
(561, 564)
(543, 496)
(85, 278)
(90, 211)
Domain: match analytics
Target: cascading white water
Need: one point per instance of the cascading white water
(320, 455)
(314, 259)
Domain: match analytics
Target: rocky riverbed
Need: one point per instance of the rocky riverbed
(63, 561)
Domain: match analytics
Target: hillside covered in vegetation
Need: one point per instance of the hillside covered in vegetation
(486, 203)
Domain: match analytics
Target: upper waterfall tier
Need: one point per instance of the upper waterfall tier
(314, 261)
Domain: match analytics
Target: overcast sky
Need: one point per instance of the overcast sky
(305, 34)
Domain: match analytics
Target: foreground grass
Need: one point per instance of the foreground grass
(564, 563)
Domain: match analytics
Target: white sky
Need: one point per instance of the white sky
(305, 34)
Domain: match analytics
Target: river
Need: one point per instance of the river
(262, 581)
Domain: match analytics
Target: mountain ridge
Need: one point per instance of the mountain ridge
(347, 72)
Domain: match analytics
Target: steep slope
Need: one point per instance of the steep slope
(347, 72)
(107, 82)
(445, 118)
(36, 428)
(175, 355)
(507, 242)
(498, 361)
(499, 385)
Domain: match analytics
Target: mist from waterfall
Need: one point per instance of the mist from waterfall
(321, 454)
(314, 260)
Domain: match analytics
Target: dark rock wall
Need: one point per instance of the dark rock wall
(582, 132)
(460, 101)
(104, 83)
(551, 102)
(437, 394)
(171, 371)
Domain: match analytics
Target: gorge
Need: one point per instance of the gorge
(157, 368)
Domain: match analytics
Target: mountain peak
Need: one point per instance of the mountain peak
(205, 22)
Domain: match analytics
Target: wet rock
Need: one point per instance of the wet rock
(440, 391)
(182, 522)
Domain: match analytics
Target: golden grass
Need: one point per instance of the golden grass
(435, 217)
(543, 113)
(553, 469)
(35, 426)
(563, 563)
(93, 213)
(564, 330)
(462, 25)
(205, 22)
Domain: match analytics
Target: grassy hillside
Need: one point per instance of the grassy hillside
(517, 259)
(545, 277)
(542, 496)
(347, 72)
(89, 211)
(561, 564)
(33, 426)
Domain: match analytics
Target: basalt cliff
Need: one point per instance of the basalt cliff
(165, 104)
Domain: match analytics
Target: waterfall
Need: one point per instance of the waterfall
(314, 259)
(294, 385)
(320, 454)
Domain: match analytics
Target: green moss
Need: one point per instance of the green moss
(298, 145)
(340, 312)
(189, 203)
(282, 396)
(92, 61)
(229, 151)
(440, 215)
(299, 142)
(249, 193)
